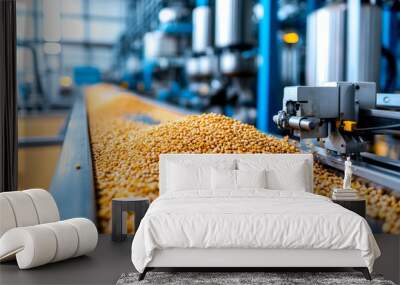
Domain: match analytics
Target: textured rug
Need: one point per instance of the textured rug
(233, 278)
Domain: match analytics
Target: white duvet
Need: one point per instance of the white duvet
(250, 219)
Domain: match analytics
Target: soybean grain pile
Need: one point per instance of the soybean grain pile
(125, 151)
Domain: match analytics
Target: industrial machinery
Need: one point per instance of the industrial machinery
(222, 68)
(344, 44)
(164, 50)
(237, 57)
(201, 67)
(344, 117)
(230, 60)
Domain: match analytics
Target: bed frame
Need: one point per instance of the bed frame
(247, 259)
(261, 259)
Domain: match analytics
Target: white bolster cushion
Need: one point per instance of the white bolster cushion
(66, 238)
(23, 208)
(26, 208)
(87, 235)
(7, 218)
(33, 246)
(46, 207)
(40, 244)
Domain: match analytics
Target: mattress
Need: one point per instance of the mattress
(250, 219)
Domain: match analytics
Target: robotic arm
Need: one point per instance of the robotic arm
(330, 113)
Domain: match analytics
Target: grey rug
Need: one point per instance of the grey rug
(228, 278)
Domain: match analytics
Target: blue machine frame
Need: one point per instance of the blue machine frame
(269, 95)
(390, 35)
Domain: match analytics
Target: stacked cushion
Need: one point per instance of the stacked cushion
(7, 220)
(23, 209)
(31, 232)
(27, 208)
(37, 245)
(45, 206)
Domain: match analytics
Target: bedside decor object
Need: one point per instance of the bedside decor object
(120, 208)
(346, 193)
(357, 205)
(348, 172)
(31, 233)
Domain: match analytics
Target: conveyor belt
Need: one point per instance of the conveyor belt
(74, 184)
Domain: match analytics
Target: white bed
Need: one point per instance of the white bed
(250, 227)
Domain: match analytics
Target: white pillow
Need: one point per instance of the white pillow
(223, 179)
(281, 180)
(182, 177)
(251, 178)
(287, 173)
(236, 179)
(189, 176)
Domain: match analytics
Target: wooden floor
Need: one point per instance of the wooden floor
(106, 264)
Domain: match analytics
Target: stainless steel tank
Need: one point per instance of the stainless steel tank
(325, 45)
(328, 58)
(364, 64)
(202, 29)
(233, 23)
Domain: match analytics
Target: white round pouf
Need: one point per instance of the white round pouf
(45, 205)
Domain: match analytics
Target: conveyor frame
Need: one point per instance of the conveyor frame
(73, 184)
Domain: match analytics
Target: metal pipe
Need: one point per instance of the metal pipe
(302, 123)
